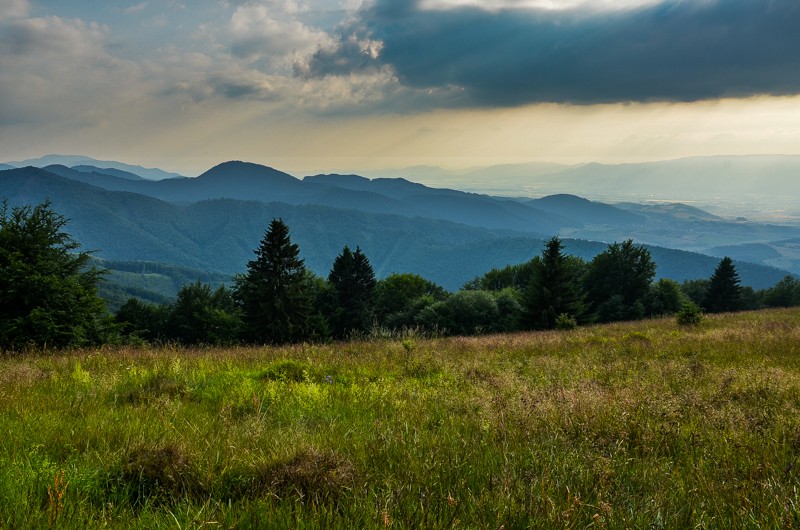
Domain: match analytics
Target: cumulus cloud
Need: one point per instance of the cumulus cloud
(34, 37)
(271, 51)
(518, 52)
(51, 66)
(269, 32)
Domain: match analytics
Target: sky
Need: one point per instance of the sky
(348, 85)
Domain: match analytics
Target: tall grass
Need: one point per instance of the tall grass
(636, 425)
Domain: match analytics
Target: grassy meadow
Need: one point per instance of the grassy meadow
(640, 425)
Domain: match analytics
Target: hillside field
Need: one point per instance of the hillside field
(640, 425)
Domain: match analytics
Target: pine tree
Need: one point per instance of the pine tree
(724, 292)
(353, 281)
(48, 290)
(555, 287)
(274, 294)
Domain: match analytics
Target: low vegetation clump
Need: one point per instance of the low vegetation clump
(628, 425)
(690, 314)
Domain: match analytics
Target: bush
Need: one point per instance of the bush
(566, 321)
(690, 314)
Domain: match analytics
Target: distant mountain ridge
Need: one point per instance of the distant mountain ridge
(671, 225)
(729, 178)
(108, 171)
(80, 160)
(247, 181)
(219, 235)
(685, 178)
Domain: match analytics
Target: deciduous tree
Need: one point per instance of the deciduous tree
(201, 315)
(400, 297)
(618, 280)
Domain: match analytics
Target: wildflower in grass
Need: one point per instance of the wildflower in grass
(329, 379)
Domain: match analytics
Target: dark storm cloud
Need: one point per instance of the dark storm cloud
(350, 55)
(673, 51)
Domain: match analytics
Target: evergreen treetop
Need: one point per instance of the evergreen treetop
(724, 292)
(274, 293)
(353, 281)
(555, 287)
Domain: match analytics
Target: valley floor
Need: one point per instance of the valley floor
(635, 425)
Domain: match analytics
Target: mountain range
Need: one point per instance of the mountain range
(757, 185)
(80, 160)
(212, 223)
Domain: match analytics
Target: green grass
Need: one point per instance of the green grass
(642, 425)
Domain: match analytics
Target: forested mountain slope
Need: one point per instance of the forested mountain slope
(219, 235)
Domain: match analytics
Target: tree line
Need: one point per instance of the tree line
(48, 294)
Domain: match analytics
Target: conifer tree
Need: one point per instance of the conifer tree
(353, 281)
(48, 288)
(724, 292)
(274, 294)
(555, 287)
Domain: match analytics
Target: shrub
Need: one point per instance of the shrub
(690, 314)
(286, 370)
(566, 321)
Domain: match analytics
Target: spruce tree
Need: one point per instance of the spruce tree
(555, 287)
(724, 292)
(353, 281)
(274, 294)
(48, 288)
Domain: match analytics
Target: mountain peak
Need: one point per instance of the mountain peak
(240, 171)
(564, 198)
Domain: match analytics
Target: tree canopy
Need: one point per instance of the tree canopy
(48, 294)
(617, 281)
(400, 297)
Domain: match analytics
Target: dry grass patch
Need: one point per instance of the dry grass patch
(156, 475)
(311, 475)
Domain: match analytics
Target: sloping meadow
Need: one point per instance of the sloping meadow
(630, 425)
